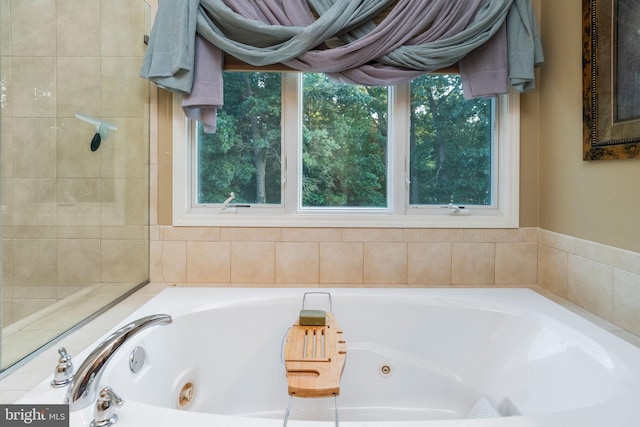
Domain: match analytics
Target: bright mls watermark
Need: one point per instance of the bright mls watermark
(34, 415)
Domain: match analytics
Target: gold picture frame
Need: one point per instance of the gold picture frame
(611, 95)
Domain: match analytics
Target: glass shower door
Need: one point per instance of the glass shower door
(75, 215)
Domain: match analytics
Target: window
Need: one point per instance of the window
(450, 144)
(299, 149)
(244, 155)
(344, 145)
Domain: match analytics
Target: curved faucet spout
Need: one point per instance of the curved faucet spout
(83, 389)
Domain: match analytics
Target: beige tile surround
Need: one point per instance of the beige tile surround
(345, 256)
(602, 279)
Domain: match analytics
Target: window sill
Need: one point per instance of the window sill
(475, 220)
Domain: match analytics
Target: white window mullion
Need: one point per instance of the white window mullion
(183, 175)
(508, 134)
(292, 137)
(399, 122)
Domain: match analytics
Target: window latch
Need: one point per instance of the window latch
(225, 208)
(457, 210)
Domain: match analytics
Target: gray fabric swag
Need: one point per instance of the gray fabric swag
(495, 43)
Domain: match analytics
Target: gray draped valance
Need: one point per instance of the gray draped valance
(495, 43)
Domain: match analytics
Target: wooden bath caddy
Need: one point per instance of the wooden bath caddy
(314, 358)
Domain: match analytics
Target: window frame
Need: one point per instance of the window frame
(399, 215)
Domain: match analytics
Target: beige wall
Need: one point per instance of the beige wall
(529, 150)
(599, 200)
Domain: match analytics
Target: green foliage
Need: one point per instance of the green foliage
(344, 144)
(344, 153)
(243, 156)
(450, 144)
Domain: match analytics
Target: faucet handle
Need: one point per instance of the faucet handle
(104, 412)
(64, 369)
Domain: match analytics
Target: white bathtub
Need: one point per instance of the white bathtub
(536, 362)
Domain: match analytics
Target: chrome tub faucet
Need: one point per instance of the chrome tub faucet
(64, 369)
(83, 389)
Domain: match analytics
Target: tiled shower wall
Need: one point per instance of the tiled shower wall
(71, 217)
